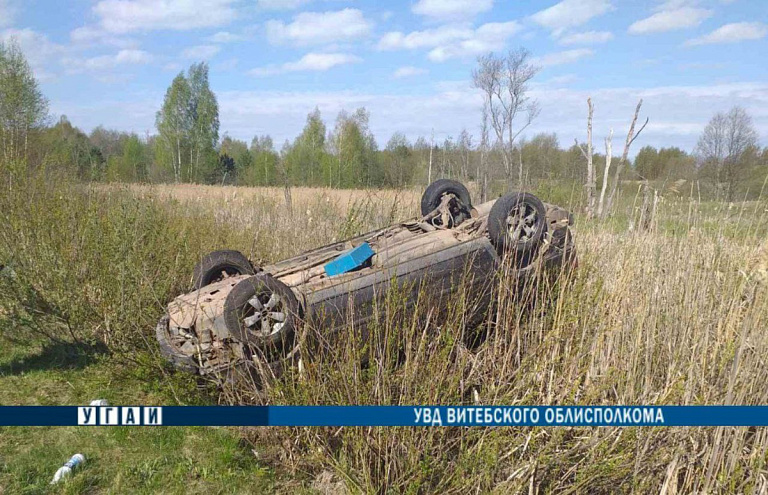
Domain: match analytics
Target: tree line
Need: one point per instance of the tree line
(344, 153)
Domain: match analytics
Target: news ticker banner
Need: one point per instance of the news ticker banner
(384, 415)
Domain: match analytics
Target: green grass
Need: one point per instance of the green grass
(119, 459)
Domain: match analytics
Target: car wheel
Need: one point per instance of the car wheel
(517, 223)
(179, 359)
(219, 265)
(433, 195)
(263, 312)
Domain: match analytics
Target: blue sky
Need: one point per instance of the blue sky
(109, 62)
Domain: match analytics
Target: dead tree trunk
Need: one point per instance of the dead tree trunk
(484, 157)
(286, 185)
(646, 210)
(606, 172)
(431, 147)
(590, 185)
(631, 136)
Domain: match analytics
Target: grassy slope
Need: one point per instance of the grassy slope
(119, 459)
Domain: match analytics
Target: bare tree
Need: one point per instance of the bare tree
(482, 171)
(464, 147)
(285, 177)
(723, 144)
(606, 174)
(604, 207)
(590, 185)
(431, 147)
(631, 136)
(504, 81)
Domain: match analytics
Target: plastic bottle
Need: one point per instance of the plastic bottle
(68, 467)
(99, 402)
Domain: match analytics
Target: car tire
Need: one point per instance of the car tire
(435, 191)
(214, 265)
(510, 235)
(179, 359)
(263, 312)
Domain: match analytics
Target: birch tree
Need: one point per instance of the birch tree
(188, 124)
(204, 115)
(174, 123)
(723, 146)
(22, 105)
(355, 148)
(504, 83)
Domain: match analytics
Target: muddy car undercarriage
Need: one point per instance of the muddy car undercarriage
(241, 316)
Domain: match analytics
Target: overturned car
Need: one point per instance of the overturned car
(240, 315)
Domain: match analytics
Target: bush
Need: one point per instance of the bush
(91, 263)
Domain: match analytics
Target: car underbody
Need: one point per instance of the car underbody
(447, 247)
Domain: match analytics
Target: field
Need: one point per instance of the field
(673, 315)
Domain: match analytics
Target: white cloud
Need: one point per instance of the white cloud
(200, 52)
(560, 58)
(172, 67)
(732, 33)
(488, 37)
(133, 57)
(428, 38)
(314, 28)
(408, 71)
(313, 62)
(37, 48)
(662, 5)
(702, 66)
(225, 37)
(559, 80)
(586, 38)
(85, 34)
(226, 65)
(677, 113)
(571, 13)
(451, 9)
(670, 20)
(280, 4)
(451, 41)
(103, 62)
(123, 16)
(90, 36)
(7, 13)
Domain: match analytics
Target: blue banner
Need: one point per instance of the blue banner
(384, 415)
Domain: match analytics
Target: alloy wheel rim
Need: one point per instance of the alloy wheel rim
(265, 314)
(521, 223)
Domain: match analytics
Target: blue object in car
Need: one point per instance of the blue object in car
(350, 260)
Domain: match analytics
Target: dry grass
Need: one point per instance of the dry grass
(304, 198)
(647, 319)
(676, 315)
